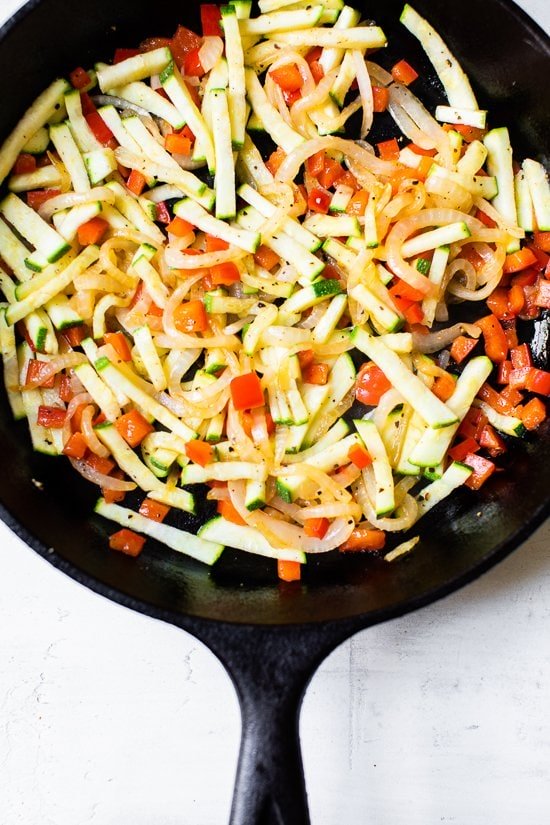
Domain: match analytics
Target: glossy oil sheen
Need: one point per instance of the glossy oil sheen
(506, 56)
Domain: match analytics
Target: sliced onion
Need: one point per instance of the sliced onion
(317, 96)
(174, 258)
(365, 91)
(55, 365)
(435, 341)
(380, 76)
(164, 192)
(120, 103)
(60, 202)
(289, 168)
(408, 508)
(102, 480)
(92, 441)
(406, 227)
(210, 52)
(426, 123)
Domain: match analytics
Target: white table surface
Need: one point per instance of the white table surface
(111, 718)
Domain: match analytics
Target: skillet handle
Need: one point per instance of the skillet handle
(270, 787)
(271, 667)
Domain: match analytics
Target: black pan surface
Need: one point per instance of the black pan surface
(272, 637)
(506, 56)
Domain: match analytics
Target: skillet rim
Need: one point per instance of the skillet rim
(350, 623)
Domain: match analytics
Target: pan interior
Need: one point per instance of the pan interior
(505, 56)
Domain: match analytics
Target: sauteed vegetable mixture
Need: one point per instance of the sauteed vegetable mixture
(207, 281)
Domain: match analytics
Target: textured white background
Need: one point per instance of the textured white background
(111, 718)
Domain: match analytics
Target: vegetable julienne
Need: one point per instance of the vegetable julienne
(180, 311)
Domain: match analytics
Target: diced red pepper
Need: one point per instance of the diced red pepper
(519, 260)
(192, 66)
(473, 422)
(136, 182)
(316, 528)
(200, 452)
(331, 173)
(402, 289)
(179, 227)
(125, 54)
(464, 448)
(101, 130)
(306, 357)
(496, 345)
(287, 77)
(491, 441)
(75, 335)
(318, 200)
(504, 370)
(64, 389)
(128, 542)
(154, 510)
(364, 538)
(246, 391)
(518, 378)
(35, 372)
(533, 414)
(214, 244)
(388, 149)
(315, 164)
(358, 203)
(289, 571)
(24, 164)
(404, 73)
(275, 159)
(105, 466)
(51, 417)
(482, 468)
(265, 257)
(461, 348)
(315, 374)
(177, 144)
(526, 278)
(228, 511)
(497, 303)
(163, 213)
(76, 446)
(542, 294)
(359, 456)
(381, 98)
(485, 219)
(191, 317)
(79, 78)
(37, 197)
(521, 356)
(444, 386)
(538, 381)
(371, 385)
(92, 231)
(133, 427)
(120, 344)
(225, 274)
(542, 241)
(183, 43)
(541, 255)
(516, 299)
(210, 20)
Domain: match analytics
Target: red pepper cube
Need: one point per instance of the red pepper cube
(128, 542)
(318, 201)
(482, 468)
(246, 392)
(538, 381)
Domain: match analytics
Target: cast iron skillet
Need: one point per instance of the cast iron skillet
(271, 639)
